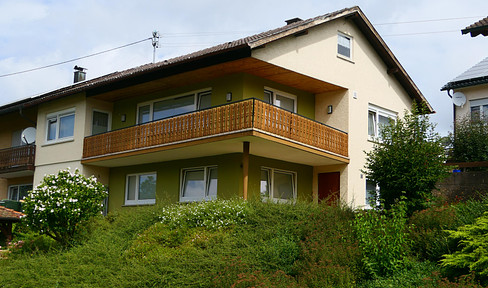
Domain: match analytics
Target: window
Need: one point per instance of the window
(100, 122)
(277, 184)
(18, 192)
(372, 193)
(140, 189)
(281, 99)
(344, 46)
(60, 125)
(173, 106)
(377, 118)
(17, 139)
(479, 108)
(199, 184)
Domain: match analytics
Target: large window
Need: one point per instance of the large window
(278, 184)
(378, 118)
(140, 189)
(18, 192)
(479, 109)
(164, 108)
(60, 125)
(344, 45)
(198, 184)
(281, 99)
(372, 194)
(100, 122)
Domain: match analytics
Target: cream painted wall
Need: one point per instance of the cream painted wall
(50, 158)
(365, 78)
(472, 93)
(3, 188)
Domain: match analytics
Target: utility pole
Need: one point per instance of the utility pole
(155, 43)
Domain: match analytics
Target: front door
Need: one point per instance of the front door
(329, 187)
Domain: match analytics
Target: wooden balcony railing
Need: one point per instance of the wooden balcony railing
(17, 158)
(251, 114)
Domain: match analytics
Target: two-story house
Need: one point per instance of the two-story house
(285, 114)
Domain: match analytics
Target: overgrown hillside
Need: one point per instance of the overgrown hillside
(232, 244)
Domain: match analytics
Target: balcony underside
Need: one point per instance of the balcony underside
(261, 144)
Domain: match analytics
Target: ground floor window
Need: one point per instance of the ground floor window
(278, 184)
(199, 183)
(372, 194)
(18, 192)
(140, 189)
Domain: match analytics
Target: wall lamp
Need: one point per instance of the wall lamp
(329, 109)
(228, 96)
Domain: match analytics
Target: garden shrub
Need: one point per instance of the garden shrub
(383, 239)
(61, 203)
(472, 254)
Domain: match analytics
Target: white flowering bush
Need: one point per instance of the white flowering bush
(61, 203)
(216, 214)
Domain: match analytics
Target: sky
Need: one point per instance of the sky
(425, 36)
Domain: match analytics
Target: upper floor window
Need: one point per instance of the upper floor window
(100, 122)
(344, 45)
(18, 192)
(281, 99)
(60, 125)
(479, 109)
(160, 109)
(198, 184)
(140, 189)
(378, 118)
(277, 184)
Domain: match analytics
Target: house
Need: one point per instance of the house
(285, 114)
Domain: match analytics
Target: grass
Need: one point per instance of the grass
(217, 244)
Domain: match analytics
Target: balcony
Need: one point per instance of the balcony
(17, 159)
(245, 120)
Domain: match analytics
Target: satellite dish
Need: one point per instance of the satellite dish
(28, 135)
(459, 99)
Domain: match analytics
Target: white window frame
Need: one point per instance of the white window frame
(109, 119)
(341, 35)
(274, 92)
(478, 103)
(58, 115)
(378, 111)
(206, 175)
(196, 102)
(18, 190)
(137, 201)
(271, 176)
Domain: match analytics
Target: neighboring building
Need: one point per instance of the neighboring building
(480, 27)
(286, 114)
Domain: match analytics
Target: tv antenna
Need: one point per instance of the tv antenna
(155, 43)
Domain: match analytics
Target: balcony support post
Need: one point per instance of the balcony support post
(245, 168)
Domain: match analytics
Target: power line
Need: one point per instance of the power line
(75, 59)
(420, 33)
(428, 20)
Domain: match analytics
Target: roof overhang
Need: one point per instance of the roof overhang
(465, 83)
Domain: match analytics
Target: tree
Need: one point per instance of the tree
(470, 140)
(61, 203)
(407, 160)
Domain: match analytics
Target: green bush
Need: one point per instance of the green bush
(61, 203)
(469, 141)
(472, 255)
(383, 240)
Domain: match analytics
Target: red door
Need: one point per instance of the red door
(330, 187)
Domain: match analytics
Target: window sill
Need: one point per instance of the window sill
(139, 204)
(54, 142)
(345, 58)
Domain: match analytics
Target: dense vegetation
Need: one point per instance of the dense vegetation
(253, 244)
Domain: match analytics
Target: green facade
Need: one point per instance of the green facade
(230, 179)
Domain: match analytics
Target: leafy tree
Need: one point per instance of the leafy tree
(408, 159)
(61, 202)
(470, 140)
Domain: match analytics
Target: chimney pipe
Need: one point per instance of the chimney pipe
(80, 74)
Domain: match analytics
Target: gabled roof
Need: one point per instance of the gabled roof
(480, 27)
(229, 51)
(476, 75)
(7, 214)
